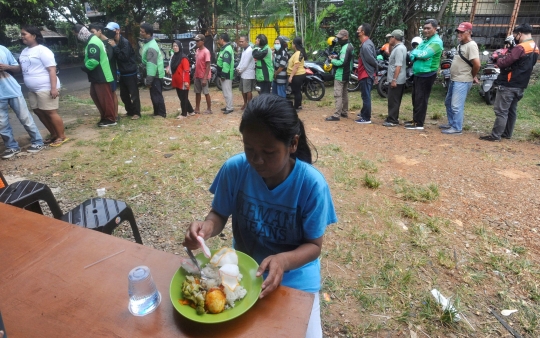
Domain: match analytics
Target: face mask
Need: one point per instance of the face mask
(342, 42)
(277, 47)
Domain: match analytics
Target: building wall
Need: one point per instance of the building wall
(286, 27)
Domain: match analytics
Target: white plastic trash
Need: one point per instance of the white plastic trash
(445, 303)
(101, 192)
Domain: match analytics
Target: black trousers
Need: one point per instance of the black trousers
(266, 87)
(421, 91)
(185, 105)
(296, 89)
(394, 102)
(129, 93)
(156, 96)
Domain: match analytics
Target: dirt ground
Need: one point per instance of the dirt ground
(495, 185)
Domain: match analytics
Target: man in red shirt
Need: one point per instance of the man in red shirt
(202, 74)
(367, 66)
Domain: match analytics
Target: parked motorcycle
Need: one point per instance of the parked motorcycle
(446, 63)
(235, 81)
(489, 74)
(313, 86)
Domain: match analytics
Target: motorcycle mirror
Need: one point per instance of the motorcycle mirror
(485, 52)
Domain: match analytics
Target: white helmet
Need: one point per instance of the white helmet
(417, 40)
(509, 41)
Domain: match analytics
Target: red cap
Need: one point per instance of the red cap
(464, 26)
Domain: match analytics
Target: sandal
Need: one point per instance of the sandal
(58, 142)
(135, 117)
(49, 140)
(181, 117)
(207, 111)
(192, 113)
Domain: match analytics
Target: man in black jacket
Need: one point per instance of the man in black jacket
(127, 66)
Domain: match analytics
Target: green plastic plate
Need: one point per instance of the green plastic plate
(248, 267)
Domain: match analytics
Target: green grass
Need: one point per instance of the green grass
(411, 192)
(371, 181)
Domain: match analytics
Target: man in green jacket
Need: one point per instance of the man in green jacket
(102, 84)
(343, 66)
(225, 63)
(155, 71)
(426, 58)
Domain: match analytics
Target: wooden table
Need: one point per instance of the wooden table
(46, 292)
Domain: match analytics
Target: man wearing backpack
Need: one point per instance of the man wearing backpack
(343, 65)
(516, 68)
(463, 72)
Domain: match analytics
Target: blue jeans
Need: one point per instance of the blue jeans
(18, 104)
(455, 103)
(280, 89)
(365, 90)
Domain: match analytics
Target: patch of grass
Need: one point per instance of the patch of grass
(534, 134)
(368, 166)
(436, 116)
(417, 193)
(409, 212)
(371, 181)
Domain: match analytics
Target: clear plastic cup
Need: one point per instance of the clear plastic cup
(144, 297)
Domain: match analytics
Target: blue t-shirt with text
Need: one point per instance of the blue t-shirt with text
(267, 222)
(9, 87)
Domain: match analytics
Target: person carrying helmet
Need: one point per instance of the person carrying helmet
(343, 65)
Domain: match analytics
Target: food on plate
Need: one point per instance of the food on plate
(215, 300)
(220, 288)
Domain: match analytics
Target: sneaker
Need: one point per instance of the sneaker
(489, 138)
(35, 148)
(107, 123)
(345, 116)
(228, 111)
(506, 137)
(445, 126)
(192, 113)
(414, 126)
(451, 131)
(362, 121)
(389, 124)
(135, 117)
(299, 108)
(10, 153)
(332, 118)
(408, 123)
(224, 109)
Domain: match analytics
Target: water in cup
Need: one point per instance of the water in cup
(143, 294)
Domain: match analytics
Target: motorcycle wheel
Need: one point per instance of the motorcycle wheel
(167, 85)
(314, 90)
(353, 85)
(489, 97)
(382, 87)
(218, 83)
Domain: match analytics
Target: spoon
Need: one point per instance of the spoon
(194, 260)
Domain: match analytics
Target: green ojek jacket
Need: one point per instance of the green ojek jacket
(427, 56)
(96, 62)
(344, 63)
(264, 69)
(152, 61)
(225, 62)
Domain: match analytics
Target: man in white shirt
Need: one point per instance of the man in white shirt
(246, 68)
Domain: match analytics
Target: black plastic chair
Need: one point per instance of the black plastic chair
(27, 194)
(104, 215)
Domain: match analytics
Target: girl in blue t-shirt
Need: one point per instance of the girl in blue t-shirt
(280, 204)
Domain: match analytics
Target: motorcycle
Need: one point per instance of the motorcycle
(354, 83)
(381, 78)
(489, 74)
(313, 86)
(236, 79)
(320, 58)
(446, 63)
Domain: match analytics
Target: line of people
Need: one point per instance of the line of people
(516, 68)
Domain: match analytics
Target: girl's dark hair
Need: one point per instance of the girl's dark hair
(263, 40)
(278, 115)
(300, 47)
(33, 30)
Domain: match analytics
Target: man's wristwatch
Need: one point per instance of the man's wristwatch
(394, 80)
